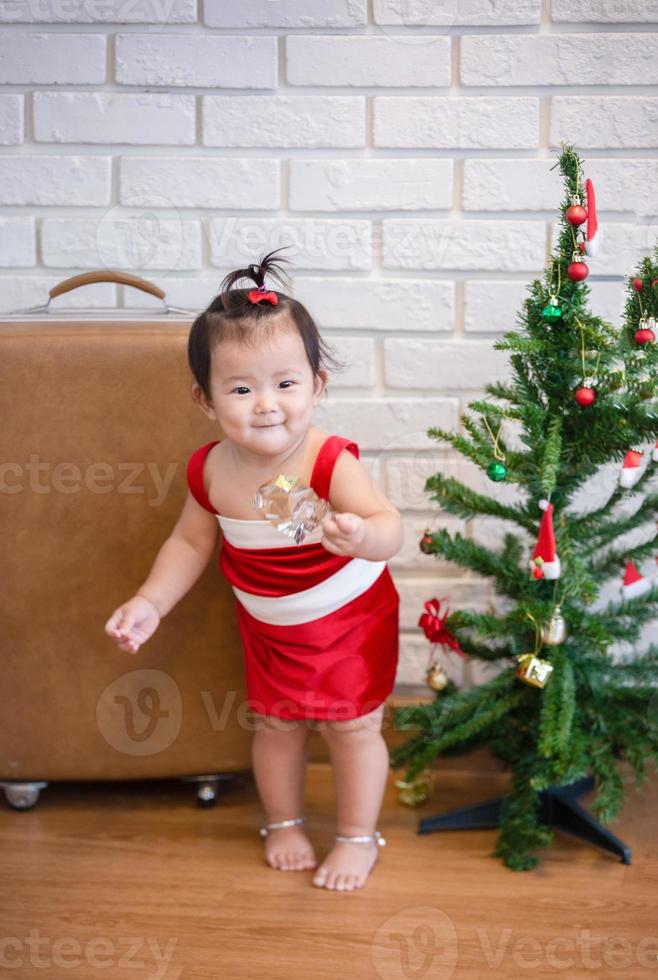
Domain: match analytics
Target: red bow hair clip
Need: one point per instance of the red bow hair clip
(256, 295)
(435, 628)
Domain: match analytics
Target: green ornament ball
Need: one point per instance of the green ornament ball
(496, 471)
(551, 313)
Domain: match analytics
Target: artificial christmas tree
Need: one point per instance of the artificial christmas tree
(564, 708)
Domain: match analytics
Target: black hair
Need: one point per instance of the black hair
(232, 316)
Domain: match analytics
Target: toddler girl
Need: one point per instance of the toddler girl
(319, 619)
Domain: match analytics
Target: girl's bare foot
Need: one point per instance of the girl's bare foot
(347, 866)
(289, 849)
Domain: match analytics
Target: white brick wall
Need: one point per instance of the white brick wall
(402, 148)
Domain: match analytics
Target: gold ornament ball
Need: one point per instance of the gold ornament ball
(436, 677)
(555, 631)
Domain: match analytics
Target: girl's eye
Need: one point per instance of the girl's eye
(244, 388)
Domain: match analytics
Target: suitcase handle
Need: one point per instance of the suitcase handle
(104, 275)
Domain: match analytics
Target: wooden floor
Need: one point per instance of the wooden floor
(133, 880)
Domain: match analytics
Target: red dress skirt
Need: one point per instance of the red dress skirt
(319, 631)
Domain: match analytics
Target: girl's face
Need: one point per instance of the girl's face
(263, 396)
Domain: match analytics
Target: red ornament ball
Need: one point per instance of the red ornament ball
(576, 214)
(654, 282)
(585, 396)
(645, 336)
(638, 285)
(577, 271)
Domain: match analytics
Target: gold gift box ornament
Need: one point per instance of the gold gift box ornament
(533, 670)
(291, 507)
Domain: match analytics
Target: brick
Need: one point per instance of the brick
(201, 182)
(52, 59)
(284, 121)
(456, 123)
(310, 243)
(409, 243)
(121, 241)
(358, 355)
(604, 11)
(492, 306)
(380, 304)
(511, 185)
(420, 13)
(622, 246)
(604, 122)
(406, 477)
(285, 13)
(108, 117)
(17, 242)
(11, 119)
(370, 185)
(367, 60)
(103, 12)
(559, 59)
(22, 292)
(199, 60)
(518, 185)
(607, 299)
(625, 185)
(442, 365)
(48, 180)
(376, 423)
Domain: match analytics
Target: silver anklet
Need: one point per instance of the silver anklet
(263, 831)
(362, 840)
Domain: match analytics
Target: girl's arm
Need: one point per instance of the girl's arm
(182, 558)
(366, 524)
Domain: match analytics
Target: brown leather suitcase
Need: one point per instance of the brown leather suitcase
(98, 424)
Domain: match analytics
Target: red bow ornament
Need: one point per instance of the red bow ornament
(256, 295)
(435, 628)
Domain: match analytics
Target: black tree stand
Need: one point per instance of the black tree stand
(558, 809)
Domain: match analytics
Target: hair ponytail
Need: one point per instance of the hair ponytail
(232, 299)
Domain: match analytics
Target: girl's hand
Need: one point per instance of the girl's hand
(343, 533)
(133, 623)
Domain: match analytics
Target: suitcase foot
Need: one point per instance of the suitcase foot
(208, 786)
(22, 796)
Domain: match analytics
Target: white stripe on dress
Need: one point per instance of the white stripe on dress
(344, 585)
(260, 534)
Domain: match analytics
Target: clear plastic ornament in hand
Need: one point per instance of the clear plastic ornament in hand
(291, 507)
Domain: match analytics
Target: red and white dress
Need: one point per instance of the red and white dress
(319, 631)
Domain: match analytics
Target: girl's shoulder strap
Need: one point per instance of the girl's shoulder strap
(195, 475)
(325, 460)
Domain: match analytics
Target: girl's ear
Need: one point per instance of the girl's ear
(320, 386)
(199, 397)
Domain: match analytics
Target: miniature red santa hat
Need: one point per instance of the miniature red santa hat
(631, 468)
(654, 454)
(545, 562)
(634, 584)
(593, 234)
